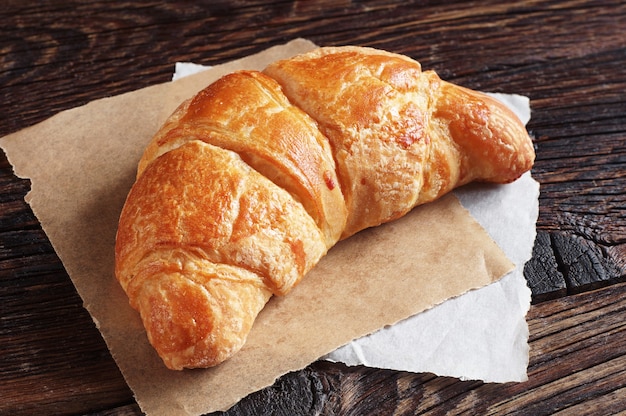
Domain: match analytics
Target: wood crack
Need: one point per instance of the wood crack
(563, 263)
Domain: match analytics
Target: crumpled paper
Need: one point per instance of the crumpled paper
(481, 335)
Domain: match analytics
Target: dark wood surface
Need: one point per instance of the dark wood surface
(569, 57)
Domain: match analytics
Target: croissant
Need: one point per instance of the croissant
(249, 183)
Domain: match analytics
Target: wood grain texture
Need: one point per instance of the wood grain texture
(569, 57)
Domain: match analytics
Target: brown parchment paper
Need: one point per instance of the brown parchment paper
(82, 162)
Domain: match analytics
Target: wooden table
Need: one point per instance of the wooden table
(569, 57)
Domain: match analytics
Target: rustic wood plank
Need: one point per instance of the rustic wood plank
(567, 56)
(542, 271)
(566, 264)
(613, 400)
(53, 357)
(583, 263)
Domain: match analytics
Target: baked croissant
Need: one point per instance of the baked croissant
(249, 183)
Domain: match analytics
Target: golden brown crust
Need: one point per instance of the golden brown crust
(246, 112)
(248, 184)
(400, 136)
(365, 103)
(200, 221)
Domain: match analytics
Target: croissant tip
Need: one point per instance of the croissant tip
(182, 324)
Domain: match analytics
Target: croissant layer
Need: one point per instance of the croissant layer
(249, 183)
